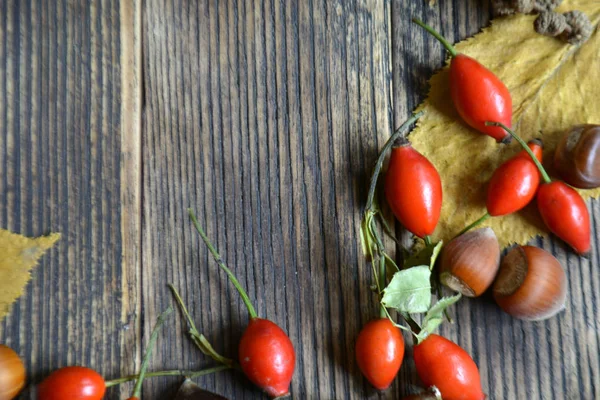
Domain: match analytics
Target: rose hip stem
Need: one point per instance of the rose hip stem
(143, 374)
(474, 224)
(137, 389)
(386, 148)
(198, 338)
(173, 372)
(537, 162)
(217, 257)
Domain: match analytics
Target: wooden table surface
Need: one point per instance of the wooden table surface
(265, 117)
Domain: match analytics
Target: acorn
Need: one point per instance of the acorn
(577, 157)
(469, 262)
(531, 284)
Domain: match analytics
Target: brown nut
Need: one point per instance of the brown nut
(531, 284)
(577, 157)
(469, 262)
(12, 373)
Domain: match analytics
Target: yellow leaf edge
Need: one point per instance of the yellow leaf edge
(566, 53)
(21, 243)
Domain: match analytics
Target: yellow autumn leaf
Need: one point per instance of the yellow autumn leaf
(553, 86)
(18, 255)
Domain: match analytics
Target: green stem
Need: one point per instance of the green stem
(436, 35)
(391, 261)
(153, 337)
(387, 229)
(380, 251)
(414, 327)
(382, 279)
(386, 147)
(382, 271)
(179, 300)
(525, 147)
(440, 295)
(174, 372)
(389, 317)
(474, 224)
(211, 352)
(427, 240)
(199, 339)
(219, 261)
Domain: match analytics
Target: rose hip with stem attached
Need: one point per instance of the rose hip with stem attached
(477, 93)
(513, 185)
(380, 345)
(80, 383)
(137, 389)
(562, 208)
(266, 353)
(143, 374)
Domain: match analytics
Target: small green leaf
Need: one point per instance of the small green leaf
(426, 256)
(409, 291)
(435, 315)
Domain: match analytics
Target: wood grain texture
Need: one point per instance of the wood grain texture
(61, 122)
(131, 98)
(556, 359)
(266, 118)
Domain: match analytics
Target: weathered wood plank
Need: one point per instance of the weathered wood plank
(556, 359)
(63, 124)
(266, 117)
(131, 99)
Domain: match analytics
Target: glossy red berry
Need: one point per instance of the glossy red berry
(267, 357)
(514, 183)
(379, 352)
(477, 93)
(73, 383)
(479, 96)
(565, 213)
(445, 365)
(413, 190)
